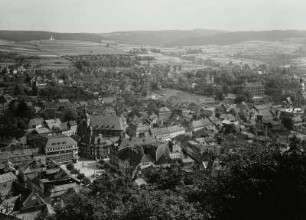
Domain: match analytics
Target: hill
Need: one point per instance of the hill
(238, 37)
(157, 38)
(43, 35)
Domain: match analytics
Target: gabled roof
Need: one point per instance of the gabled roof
(50, 123)
(59, 140)
(200, 123)
(63, 101)
(109, 122)
(7, 177)
(62, 189)
(35, 122)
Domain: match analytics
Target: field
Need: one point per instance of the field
(176, 97)
(250, 52)
(50, 53)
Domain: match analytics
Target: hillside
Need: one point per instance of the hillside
(238, 37)
(43, 35)
(157, 38)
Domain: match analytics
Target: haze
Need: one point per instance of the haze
(120, 15)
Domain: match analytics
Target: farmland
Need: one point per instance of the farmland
(51, 53)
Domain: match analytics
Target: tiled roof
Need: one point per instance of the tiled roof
(200, 123)
(58, 140)
(7, 177)
(107, 122)
(61, 189)
(35, 122)
(166, 130)
(53, 122)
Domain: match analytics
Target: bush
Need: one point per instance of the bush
(70, 166)
(81, 176)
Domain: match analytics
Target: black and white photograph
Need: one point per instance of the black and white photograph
(152, 110)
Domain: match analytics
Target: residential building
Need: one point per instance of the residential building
(167, 133)
(6, 183)
(61, 148)
(255, 89)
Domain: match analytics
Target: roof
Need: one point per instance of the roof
(42, 130)
(63, 101)
(35, 122)
(166, 130)
(200, 123)
(61, 189)
(107, 122)
(164, 109)
(52, 122)
(58, 140)
(253, 84)
(137, 142)
(7, 177)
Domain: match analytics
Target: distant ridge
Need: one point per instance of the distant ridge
(157, 38)
(43, 35)
(238, 37)
(167, 38)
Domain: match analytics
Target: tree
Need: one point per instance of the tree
(270, 179)
(70, 166)
(288, 123)
(77, 207)
(70, 115)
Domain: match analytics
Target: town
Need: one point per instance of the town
(200, 125)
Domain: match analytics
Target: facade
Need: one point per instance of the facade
(164, 113)
(167, 133)
(200, 124)
(255, 89)
(61, 148)
(108, 126)
(139, 130)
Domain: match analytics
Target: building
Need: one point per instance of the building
(6, 183)
(69, 128)
(200, 124)
(139, 130)
(61, 148)
(108, 126)
(255, 89)
(98, 147)
(167, 133)
(17, 157)
(164, 114)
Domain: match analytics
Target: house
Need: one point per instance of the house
(133, 159)
(116, 152)
(53, 124)
(35, 123)
(164, 114)
(61, 148)
(17, 157)
(98, 147)
(200, 124)
(167, 133)
(138, 129)
(58, 192)
(6, 183)
(297, 122)
(69, 128)
(32, 170)
(108, 126)
(256, 89)
(35, 212)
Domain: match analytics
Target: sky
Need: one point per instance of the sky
(101, 16)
